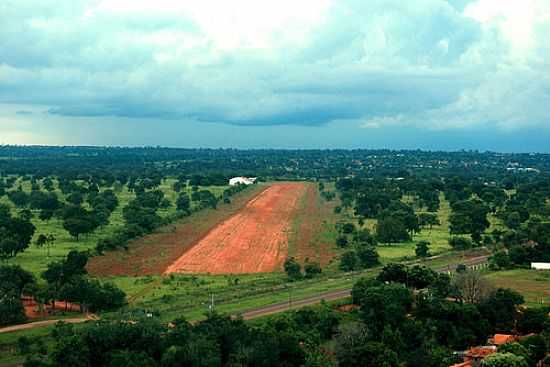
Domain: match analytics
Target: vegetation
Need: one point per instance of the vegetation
(61, 206)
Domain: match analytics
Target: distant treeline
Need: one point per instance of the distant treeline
(279, 164)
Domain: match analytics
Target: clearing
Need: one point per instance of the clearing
(534, 285)
(153, 253)
(253, 240)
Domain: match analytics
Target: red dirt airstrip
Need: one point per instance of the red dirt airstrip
(255, 239)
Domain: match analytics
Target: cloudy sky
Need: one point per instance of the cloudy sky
(431, 74)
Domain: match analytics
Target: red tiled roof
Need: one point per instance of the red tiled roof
(463, 364)
(500, 339)
(481, 352)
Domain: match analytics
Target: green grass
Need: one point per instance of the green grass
(534, 285)
(189, 296)
(35, 259)
(438, 236)
(8, 343)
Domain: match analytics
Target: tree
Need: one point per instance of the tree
(78, 221)
(391, 230)
(503, 360)
(385, 306)
(422, 249)
(532, 320)
(519, 350)
(145, 218)
(19, 198)
(342, 241)
(126, 358)
(393, 272)
(513, 220)
(368, 256)
(420, 277)
(361, 286)
(500, 309)
(45, 240)
(11, 308)
(348, 228)
(469, 217)
(500, 260)
(13, 279)
(428, 219)
(312, 269)
(293, 269)
(460, 243)
(183, 203)
(349, 261)
(472, 287)
(15, 233)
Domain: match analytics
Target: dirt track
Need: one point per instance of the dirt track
(153, 253)
(253, 240)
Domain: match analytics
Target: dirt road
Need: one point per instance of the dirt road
(253, 240)
(39, 324)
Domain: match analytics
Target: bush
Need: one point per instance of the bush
(312, 269)
(500, 260)
(422, 249)
(348, 228)
(342, 241)
(349, 261)
(368, 256)
(293, 269)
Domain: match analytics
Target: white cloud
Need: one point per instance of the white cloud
(428, 63)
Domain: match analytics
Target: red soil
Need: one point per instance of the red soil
(253, 240)
(32, 309)
(153, 253)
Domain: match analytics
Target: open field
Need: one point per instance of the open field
(313, 234)
(253, 240)
(532, 284)
(153, 253)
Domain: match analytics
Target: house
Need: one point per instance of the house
(242, 181)
(540, 266)
(500, 339)
(474, 356)
(463, 364)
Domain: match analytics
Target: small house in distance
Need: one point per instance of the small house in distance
(242, 181)
(540, 266)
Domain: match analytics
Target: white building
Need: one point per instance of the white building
(242, 181)
(540, 266)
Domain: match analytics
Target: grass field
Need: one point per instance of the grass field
(35, 260)
(532, 284)
(438, 236)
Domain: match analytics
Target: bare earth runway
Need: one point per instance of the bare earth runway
(253, 240)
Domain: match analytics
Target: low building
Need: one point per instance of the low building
(540, 266)
(242, 181)
(500, 339)
(473, 356)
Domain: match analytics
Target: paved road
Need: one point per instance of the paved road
(334, 295)
(257, 312)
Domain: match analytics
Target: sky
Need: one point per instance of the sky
(428, 74)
